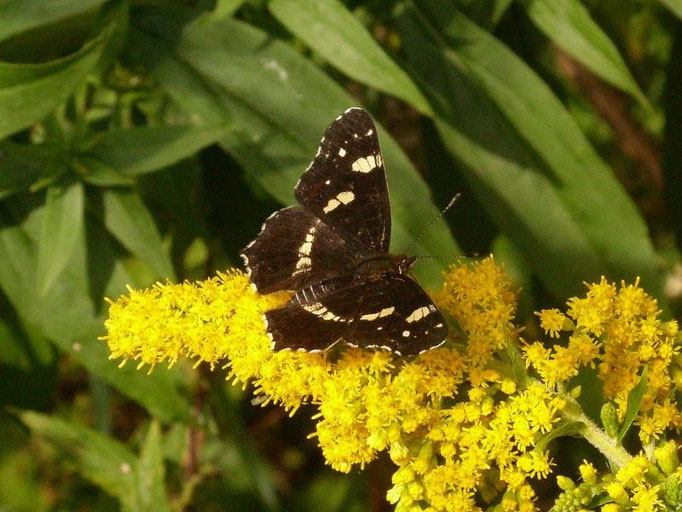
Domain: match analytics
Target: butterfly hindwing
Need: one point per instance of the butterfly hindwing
(345, 185)
(392, 311)
(294, 249)
(333, 252)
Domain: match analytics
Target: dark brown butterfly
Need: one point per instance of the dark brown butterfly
(333, 252)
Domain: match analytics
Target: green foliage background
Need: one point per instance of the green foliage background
(146, 140)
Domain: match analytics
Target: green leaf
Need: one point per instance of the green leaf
(277, 124)
(568, 23)
(28, 92)
(517, 364)
(151, 491)
(635, 398)
(246, 458)
(62, 227)
(21, 165)
(75, 321)
(101, 175)
(150, 148)
(97, 457)
(525, 158)
(486, 13)
(675, 6)
(22, 15)
(226, 7)
(563, 429)
(330, 29)
(128, 219)
(609, 419)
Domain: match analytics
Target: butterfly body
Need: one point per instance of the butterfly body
(333, 252)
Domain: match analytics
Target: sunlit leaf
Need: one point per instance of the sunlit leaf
(128, 219)
(62, 226)
(28, 92)
(675, 6)
(151, 491)
(525, 158)
(22, 15)
(96, 456)
(330, 29)
(277, 122)
(75, 321)
(150, 148)
(569, 24)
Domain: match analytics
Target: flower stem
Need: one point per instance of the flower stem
(607, 445)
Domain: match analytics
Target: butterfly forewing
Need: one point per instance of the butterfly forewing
(294, 249)
(333, 252)
(345, 184)
(391, 311)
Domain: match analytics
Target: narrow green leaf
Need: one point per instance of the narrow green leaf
(246, 458)
(563, 429)
(75, 321)
(486, 13)
(277, 124)
(62, 227)
(635, 398)
(22, 15)
(524, 156)
(128, 219)
(568, 23)
(330, 29)
(21, 165)
(675, 6)
(100, 459)
(151, 491)
(28, 92)
(517, 363)
(101, 175)
(226, 7)
(150, 148)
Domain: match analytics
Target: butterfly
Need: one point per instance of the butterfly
(332, 251)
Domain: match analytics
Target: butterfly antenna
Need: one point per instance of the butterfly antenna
(435, 219)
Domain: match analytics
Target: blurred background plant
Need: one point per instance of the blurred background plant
(146, 140)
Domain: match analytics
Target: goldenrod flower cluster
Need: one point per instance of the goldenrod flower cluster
(619, 329)
(645, 484)
(461, 424)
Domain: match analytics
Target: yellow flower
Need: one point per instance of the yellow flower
(553, 321)
(458, 424)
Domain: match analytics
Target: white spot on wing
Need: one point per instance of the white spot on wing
(346, 197)
(306, 248)
(365, 165)
(341, 198)
(373, 316)
(418, 314)
(333, 203)
(303, 263)
(406, 334)
(386, 311)
(342, 152)
(370, 317)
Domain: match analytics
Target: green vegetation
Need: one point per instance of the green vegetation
(146, 140)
